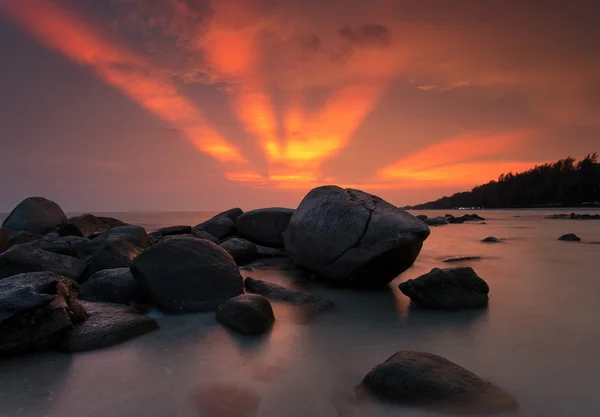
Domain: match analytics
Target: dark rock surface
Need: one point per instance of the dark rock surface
(115, 285)
(421, 217)
(3, 240)
(491, 239)
(265, 226)
(175, 230)
(36, 215)
(242, 250)
(453, 259)
(200, 234)
(267, 252)
(109, 254)
(278, 292)
(107, 325)
(112, 222)
(187, 274)
(352, 238)
(570, 237)
(436, 221)
(220, 226)
(23, 258)
(85, 225)
(17, 238)
(35, 309)
(246, 313)
(448, 289)
(133, 234)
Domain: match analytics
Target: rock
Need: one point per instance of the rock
(17, 238)
(109, 254)
(266, 252)
(35, 309)
(453, 259)
(264, 226)
(491, 239)
(246, 313)
(421, 217)
(570, 237)
(107, 325)
(35, 215)
(68, 245)
(352, 238)
(277, 292)
(115, 285)
(471, 217)
(242, 250)
(448, 289)
(574, 216)
(112, 222)
(22, 258)
(175, 230)
(85, 225)
(220, 226)
(455, 220)
(420, 377)
(436, 221)
(205, 235)
(184, 274)
(133, 234)
(3, 240)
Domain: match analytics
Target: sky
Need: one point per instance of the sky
(126, 105)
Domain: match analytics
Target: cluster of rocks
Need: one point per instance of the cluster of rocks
(574, 216)
(449, 219)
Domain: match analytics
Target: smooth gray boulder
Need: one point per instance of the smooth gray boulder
(107, 325)
(570, 237)
(35, 310)
(115, 285)
(23, 258)
(36, 215)
(220, 226)
(242, 250)
(264, 226)
(85, 225)
(278, 292)
(187, 274)
(246, 313)
(448, 289)
(351, 238)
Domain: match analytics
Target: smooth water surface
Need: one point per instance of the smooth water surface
(538, 339)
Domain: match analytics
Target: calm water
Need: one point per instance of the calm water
(538, 339)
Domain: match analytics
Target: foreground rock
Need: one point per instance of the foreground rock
(448, 289)
(242, 250)
(113, 286)
(491, 239)
(220, 226)
(265, 226)
(23, 258)
(107, 325)
(423, 378)
(35, 309)
(570, 237)
(35, 215)
(246, 313)
(277, 292)
(187, 274)
(352, 238)
(3, 240)
(85, 225)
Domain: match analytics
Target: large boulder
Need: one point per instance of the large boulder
(242, 250)
(352, 238)
(3, 240)
(264, 226)
(246, 313)
(23, 258)
(423, 378)
(220, 226)
(448, 289)
(35, 215)
(107, 325)
(187, 274)
(115, 285)
(35, 309)
(85, 225)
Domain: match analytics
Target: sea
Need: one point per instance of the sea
(539, 339)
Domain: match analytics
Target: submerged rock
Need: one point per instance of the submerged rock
(453, 259)
(570, 237)
(36, 215)
(23, 258)
(277, 292)
(115, 285)
(35, 309)
(242, 250)
(265, 226)
(352, 238)
(187, 274)
(491, 239)
(246, 313)
(107, 325)
(436, 221)
(448, 289)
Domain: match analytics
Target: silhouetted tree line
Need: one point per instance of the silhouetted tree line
(565, 182)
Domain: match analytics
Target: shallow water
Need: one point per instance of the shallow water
(538, 340)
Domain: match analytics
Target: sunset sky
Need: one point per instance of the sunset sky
(119, 105)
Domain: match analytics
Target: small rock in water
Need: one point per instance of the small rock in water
(570, 237)
(492, 239)
(453, 259)
(246, 313)
(436, 221)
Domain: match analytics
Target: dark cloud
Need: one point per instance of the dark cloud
(367, 34)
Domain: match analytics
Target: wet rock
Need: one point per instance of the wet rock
(491, 239)
(35, 309)
(35, 215)
(448, 289)
(242, 250)
(570, 237)
(277, 292)
(423, 378)
(453, 259)
(246, 313)
(436, 221)
(265, 226)
(352, 238)
(23, 258)
(220, 226)
(107, 325)
(115, 285)
(85, 225)
(3, 240)
(205, 235)
(187, 274)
